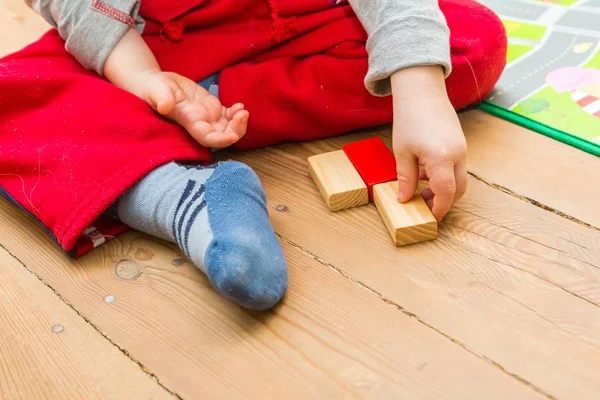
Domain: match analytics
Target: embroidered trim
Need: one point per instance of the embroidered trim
(112, 12)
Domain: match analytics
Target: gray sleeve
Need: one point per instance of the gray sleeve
(91, 28)
(402, 34)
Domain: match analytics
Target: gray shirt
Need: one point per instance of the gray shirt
(401, 33)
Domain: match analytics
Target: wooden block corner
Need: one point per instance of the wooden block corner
(338, 181)
(407, 223)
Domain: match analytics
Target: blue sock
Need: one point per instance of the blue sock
(218, 217)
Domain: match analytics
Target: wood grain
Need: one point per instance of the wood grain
(338, 181)
(504, 304)
(330, 338)
(509, 281)
(19, 26)
(50, 352)
(533, 166)
(408, 223)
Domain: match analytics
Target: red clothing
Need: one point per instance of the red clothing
(72, 143)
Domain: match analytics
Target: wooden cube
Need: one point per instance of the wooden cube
(338, 181)
(407, 223)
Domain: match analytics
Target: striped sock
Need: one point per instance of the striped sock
(217, 215)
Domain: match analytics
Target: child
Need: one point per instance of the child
(217, 213)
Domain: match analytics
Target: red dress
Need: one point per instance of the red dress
(71, 143)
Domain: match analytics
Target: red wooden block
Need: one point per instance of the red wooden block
(373, 160)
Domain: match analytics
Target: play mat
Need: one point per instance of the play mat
(551, 83)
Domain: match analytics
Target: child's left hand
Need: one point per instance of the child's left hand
(132, 67)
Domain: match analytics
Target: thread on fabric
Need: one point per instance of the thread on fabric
(479, 99)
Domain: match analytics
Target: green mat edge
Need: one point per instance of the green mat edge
(545, 130)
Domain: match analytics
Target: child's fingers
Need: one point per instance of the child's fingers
(239, 123)
(233, 110)
(165, 106)
(220, 125)
(429, 203)
(207, 135)
(225, 134)
(213, 107)
(219, 140)
(199, 130)
(460, 172)
(443, 184)
(162, 99)
(408, 174)
(428, 196)
(164, 95)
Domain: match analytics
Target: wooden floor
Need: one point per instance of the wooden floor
(504, 305)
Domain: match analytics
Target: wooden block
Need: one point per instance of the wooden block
(373, 160)
(408, 223)
(338, 181)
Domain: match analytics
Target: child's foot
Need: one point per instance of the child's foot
(193, 107)
(218, 217)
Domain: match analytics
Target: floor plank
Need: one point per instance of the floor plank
(534, 166)
(50, 352)
(19, 26)
(330, 339)
(504, 303)
(514, 283)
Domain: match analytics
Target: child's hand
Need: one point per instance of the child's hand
(132, 67)
(193, 107)
(428, 140)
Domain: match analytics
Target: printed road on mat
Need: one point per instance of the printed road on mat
(553, 64)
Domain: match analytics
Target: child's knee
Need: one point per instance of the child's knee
(478, 47)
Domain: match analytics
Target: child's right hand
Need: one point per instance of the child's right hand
(428, 141)
(193, 107)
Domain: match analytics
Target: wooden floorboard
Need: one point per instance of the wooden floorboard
(48, 351)
(505, 304)
(331, 338)
(531, 165)
(19, 26)
(506, 279)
